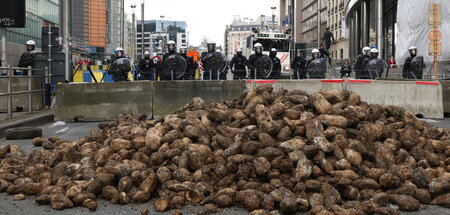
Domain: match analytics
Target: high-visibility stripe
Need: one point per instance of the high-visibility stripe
(333, 81)
(265, 81)
(284, 57)
(360, 81)
(427, 83)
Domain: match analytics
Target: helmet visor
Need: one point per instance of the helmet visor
(211, 47)
(30, 47)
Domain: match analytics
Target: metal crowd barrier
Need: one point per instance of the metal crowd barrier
(9, 76)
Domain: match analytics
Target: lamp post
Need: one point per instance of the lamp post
(162, 23)
(273, 17)
(319, 21)
(122, 23)
(163, 34)
(133, 7)
(67, 48)
(142, 27)
(262, 22)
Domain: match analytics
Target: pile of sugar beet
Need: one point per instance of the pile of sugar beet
(268, 152)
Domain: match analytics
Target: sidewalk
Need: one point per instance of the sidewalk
(23, 119)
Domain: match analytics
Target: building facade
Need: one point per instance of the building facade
(300, 16)
(39, 13)
(310, 21)
(96, 19)
(371, 23)
(113, 25)
(336, 24)
(158, 32)
(237, 33)
(236, 37)
(89, 32)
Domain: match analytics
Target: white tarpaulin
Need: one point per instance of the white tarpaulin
(413, 28)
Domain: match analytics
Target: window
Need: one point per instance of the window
(146, 40)
(146, 35)
(183, 41)
(183, 36)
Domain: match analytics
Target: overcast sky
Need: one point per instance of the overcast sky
(205, 18)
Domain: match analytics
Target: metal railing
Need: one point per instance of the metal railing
(9, 76)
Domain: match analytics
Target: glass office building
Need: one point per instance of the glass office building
(39, 13)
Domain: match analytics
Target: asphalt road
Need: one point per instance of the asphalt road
(74, 131)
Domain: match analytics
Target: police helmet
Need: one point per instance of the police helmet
(374, 52)
(119, 52)
(315, 53)
(258, 48)
(183, 50)
(31, 43)
(171, 46)
(211, 46)
(413, 50)
(365, 50)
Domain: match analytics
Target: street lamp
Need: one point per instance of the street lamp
(122, 23)
(162, 22)
(142, 27)
(262, 22)
(273, 17)
(133, 7)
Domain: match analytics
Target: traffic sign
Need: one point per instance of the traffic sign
(434, 47)
(435, 7)
(435, 15)
(435, 34)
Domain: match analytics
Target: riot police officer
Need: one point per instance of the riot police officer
(374, 66)
(258, 48)
(146, 67)
(27, 58)
(171, 50)
(316, 66)
(191, 65)
(120, 66)
(211, 48)
(276, 64)
(238, 64)
(299, 65)
(214, 63)
(414, 65)
(358, 67)
(315, 54)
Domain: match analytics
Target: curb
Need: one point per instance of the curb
(34, 120)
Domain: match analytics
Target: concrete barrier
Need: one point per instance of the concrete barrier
(307, 85)
(446, 95)
(169, 96)
(102, 102)
(20, 101)
(415, 96)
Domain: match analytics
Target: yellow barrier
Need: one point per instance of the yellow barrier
(78, 77)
